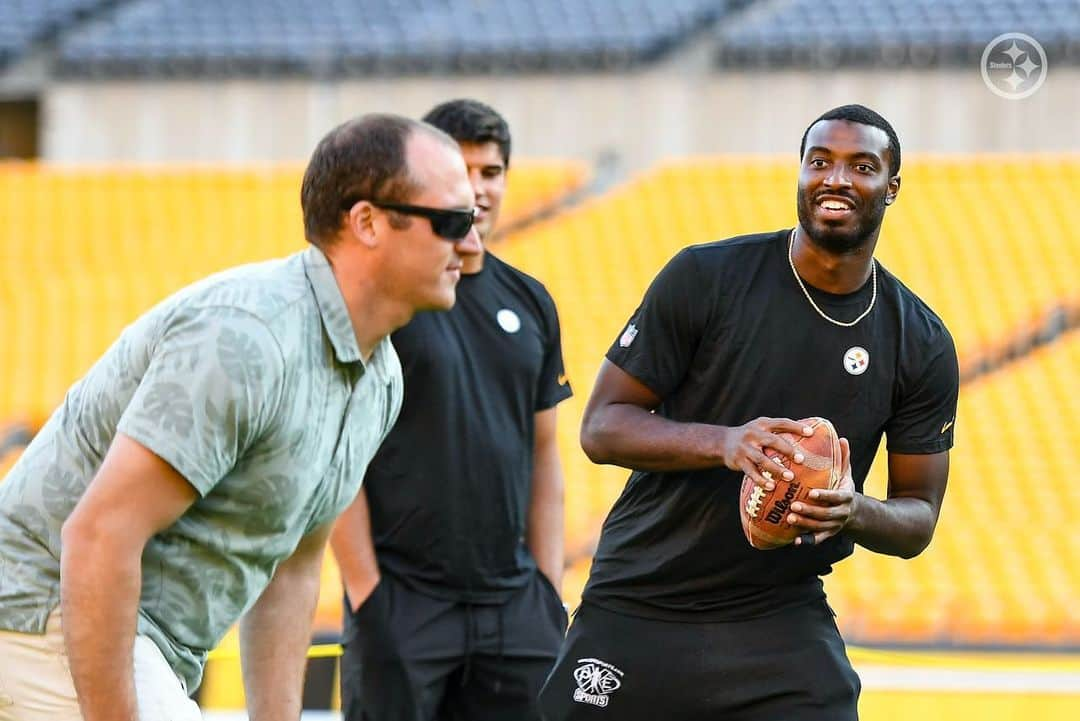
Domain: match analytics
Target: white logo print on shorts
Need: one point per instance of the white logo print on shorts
(596, 680)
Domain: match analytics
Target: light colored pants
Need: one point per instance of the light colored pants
(36, 685)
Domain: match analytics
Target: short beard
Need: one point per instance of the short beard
(840, 242)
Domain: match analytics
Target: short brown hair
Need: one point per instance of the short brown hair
(362, 159)
(470, 121)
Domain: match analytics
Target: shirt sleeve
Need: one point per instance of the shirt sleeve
(553, 386)
(925, 418)
(212, 386)
(661, 338)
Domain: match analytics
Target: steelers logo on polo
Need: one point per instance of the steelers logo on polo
(856, 360)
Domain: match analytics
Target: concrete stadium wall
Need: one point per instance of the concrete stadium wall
(675, 109)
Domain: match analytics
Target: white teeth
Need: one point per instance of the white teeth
(834, 205)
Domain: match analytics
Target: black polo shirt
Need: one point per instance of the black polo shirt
(723, 336)
(449, 488)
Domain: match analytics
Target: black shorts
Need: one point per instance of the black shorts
(790, 666)
(411, 657)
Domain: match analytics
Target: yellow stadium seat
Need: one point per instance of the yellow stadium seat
(83, 251)
(991, 242)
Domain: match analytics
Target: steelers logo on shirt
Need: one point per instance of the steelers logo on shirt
(856, 360)
(508, 320)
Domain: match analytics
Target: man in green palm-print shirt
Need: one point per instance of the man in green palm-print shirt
(189, 479)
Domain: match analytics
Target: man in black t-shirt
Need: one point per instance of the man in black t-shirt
(452, 555)
(681, 618)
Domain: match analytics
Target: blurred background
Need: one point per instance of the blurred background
(146, 143)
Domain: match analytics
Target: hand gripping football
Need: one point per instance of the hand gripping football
(764, 513)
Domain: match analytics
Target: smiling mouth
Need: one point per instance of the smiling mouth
(835, 207)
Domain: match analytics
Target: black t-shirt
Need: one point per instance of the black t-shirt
(449, 488)
(723, 336)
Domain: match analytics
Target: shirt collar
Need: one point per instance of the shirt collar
(335, 316)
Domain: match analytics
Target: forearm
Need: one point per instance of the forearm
(274, 638)
(544, 529)
(100, 578)
(895, 527)
(632, 437)
(354, 551)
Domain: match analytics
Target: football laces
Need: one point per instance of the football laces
(753, 503)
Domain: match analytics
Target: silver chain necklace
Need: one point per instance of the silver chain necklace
(843, 324)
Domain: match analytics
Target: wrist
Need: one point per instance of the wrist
(853, 524)
(716, 451)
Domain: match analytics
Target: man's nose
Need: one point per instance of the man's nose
(470, 244)
(838, 176)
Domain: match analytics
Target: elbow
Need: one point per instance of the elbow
(909, 553)
(75, 534)
(924, 533)
(593, 439)
(916, 547)
(86, 537)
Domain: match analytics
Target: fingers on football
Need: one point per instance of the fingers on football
(820, 537)
(820, 497)
(779, 443)
(772, 465)
(818, 514)
(786, 425)
(816, 524)
(754, 473)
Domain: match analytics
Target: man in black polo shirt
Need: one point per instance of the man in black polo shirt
(681, 617)
(452, 555)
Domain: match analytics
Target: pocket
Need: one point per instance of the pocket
(369, 617)
(562, 617)
(159, 691)
(830, 617)
(368, 601)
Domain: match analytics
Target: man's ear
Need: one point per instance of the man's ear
(360, 223)
(893, 191)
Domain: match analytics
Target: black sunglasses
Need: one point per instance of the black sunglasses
(451, 224)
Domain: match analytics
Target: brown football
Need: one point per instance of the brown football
(764, 513)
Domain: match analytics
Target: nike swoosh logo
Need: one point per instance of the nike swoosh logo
(947, 426)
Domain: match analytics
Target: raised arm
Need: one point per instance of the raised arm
(901, 525)
(620, 428)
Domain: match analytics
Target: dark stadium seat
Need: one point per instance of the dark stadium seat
(209, 37)
(25, 22)
(830, 33)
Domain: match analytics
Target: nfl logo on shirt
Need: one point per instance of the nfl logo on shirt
(628, 336)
